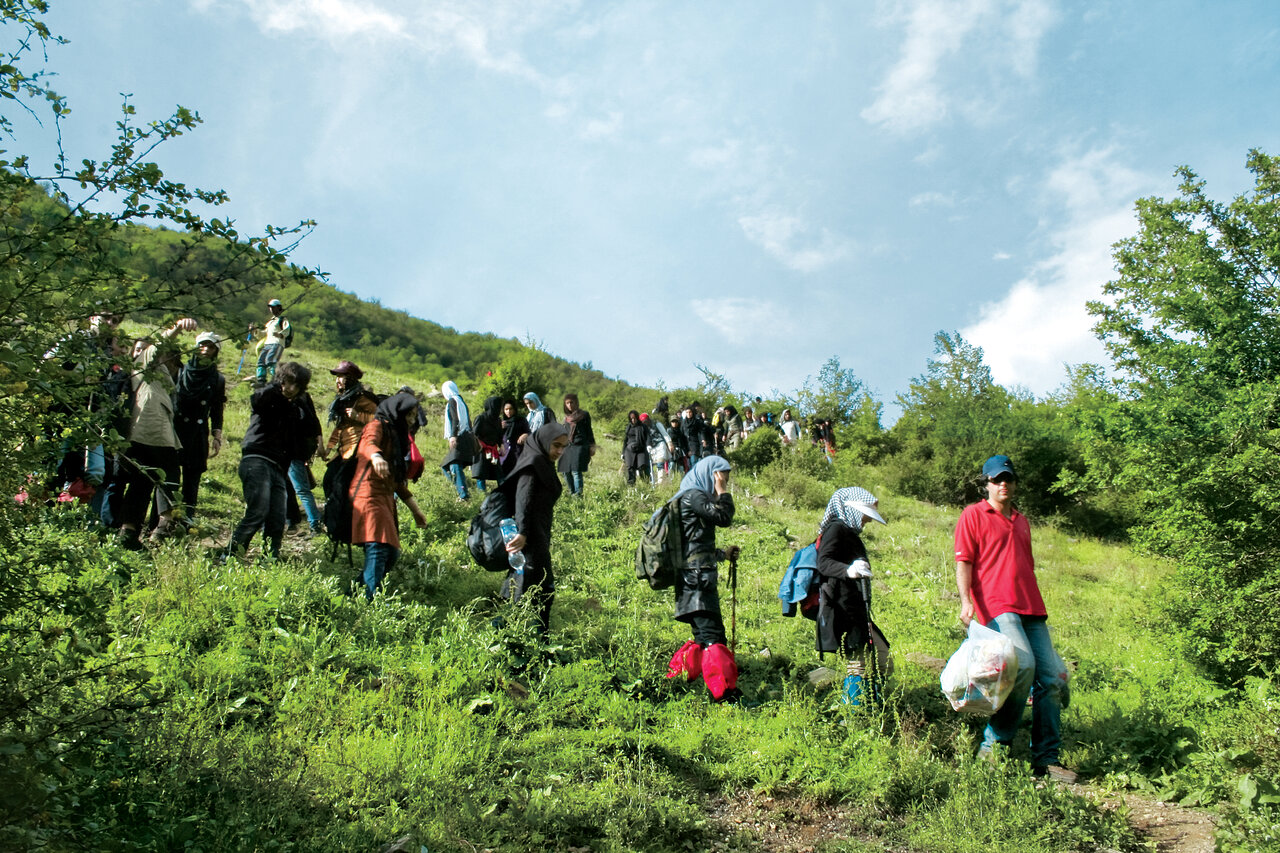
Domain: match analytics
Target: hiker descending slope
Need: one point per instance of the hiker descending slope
(382, 475)
(534, 488)
(844, 623)
(704, 503)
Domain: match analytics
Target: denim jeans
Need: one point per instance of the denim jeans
(1041, 674)
(302, 488)
(264, 498)
(267, 360)
(573, 479)
(459, 480)
(379, 558)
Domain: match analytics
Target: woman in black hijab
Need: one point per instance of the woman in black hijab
(534, 487)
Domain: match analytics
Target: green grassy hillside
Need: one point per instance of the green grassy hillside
(270, 710)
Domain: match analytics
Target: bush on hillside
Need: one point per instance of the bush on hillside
(761, 448)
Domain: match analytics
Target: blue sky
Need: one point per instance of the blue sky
(750, 186)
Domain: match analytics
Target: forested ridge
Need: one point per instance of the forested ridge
(171, 699)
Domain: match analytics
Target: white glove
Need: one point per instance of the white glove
(859, 569)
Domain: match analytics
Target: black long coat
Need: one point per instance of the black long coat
(577, 456)
(697, 585)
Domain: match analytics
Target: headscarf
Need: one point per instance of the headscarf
(451, 392)
(488, 425)
(397, 412)
(577, 414)
(702, 475)
(851, 505)
(345, 400)
(195, 380)
(537, 450)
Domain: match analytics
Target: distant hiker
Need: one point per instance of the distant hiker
(691, 427)
(679, 446)
(487, 428)
(462, 443)
(635, 448)
(381, 476)
(515, 431)
(748, 421)
(539, 415)
(199, 403)
(277, 336)
(663, 409)
(844, 620)
(305, 444)
(582, 444)
(705, 504)
(660, 448)
(266, 452)
(790, 429)
(995, 573)
(534, 488)
(733, 433)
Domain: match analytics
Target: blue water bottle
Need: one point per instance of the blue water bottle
(509, 532)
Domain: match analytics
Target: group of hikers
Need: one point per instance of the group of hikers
(172, 414)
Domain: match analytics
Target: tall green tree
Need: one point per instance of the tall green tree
(69, 236)
(1192, 324)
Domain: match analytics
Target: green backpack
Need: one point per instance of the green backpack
(660, 553)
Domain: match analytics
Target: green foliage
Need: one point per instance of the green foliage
(955, 416)
(761, 447)
(1193, 433)
(840, 395)
(519, 374)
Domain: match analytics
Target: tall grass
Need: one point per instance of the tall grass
(293, 716)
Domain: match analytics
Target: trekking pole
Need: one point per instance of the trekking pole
(248, 339)
(733, 604)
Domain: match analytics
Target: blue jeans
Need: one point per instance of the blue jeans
(264, 499)
(459, 480)
(379, 558)
(1041, 674)
(302, 488)
(573, 479)
(267, 360)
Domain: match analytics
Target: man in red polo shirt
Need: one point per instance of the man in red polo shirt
(996, 576)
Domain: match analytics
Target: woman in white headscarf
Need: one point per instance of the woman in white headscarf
(462, 444)
(844, 595)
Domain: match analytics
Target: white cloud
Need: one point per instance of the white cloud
(1042, 323)
(790, 240)
(932, 199)
(918, 91)
(742, 320)
(331, 19)
(602, 128)
(1001, 256)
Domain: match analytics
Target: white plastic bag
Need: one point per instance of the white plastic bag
(980, 675)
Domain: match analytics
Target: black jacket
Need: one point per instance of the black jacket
(697, 585)
(842, 605)
(637, 438)
(534, 489)
(274, 425)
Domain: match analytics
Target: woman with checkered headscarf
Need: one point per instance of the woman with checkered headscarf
(844, 594)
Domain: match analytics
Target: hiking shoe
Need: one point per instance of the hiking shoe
(1056, 772)
(317, 528)
(130, 540)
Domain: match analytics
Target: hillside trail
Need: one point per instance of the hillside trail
(789, 825)
(783, 825)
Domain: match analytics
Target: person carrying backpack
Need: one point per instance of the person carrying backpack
(844, 623)
(381, 476)
(704, 503)
(277, 337)
(635, 448)
(199, 402)
(533, 488)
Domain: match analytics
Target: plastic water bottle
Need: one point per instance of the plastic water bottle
(509, 532)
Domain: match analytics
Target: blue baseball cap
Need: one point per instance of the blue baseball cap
(997, 465)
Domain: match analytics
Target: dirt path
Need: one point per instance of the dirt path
(781, 825)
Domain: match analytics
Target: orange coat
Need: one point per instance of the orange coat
(373, 505)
